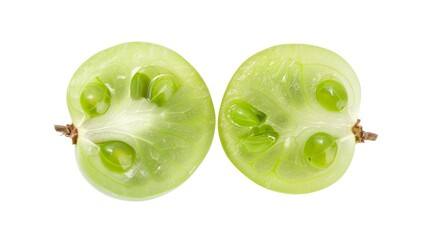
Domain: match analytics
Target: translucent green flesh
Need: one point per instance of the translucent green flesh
(309, 98)
(145, 144)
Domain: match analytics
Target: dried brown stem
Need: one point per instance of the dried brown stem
(68, 130)
(360, 135)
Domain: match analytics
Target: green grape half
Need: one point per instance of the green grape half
(143, 120)
(288, 118)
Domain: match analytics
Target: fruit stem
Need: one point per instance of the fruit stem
(68, 130)
(361, 135)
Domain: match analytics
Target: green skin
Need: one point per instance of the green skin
(145, 120)
(286, 118)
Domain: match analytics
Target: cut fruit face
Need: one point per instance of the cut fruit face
(145, 119)
(287, 115)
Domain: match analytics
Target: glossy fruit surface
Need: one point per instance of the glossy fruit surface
(287, 115)
(145, 119)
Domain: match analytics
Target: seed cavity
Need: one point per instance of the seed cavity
(259, 139)
(332, 95)
(150, 71)
(95, 98)
(320, 150)
(161, 89)
(245, 115)
(117, 156)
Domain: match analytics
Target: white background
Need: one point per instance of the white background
(384, 194)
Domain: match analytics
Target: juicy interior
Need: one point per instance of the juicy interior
(145, 119)
(286, 117)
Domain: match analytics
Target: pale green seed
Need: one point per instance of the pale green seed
(260, 139)
(332, 95)
(320, 150)
(95, 98)
(117, 156)
(244, 114)
(161, 89)
(139, 86)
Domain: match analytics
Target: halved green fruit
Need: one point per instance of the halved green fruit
(145, 119)
(287, 115)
